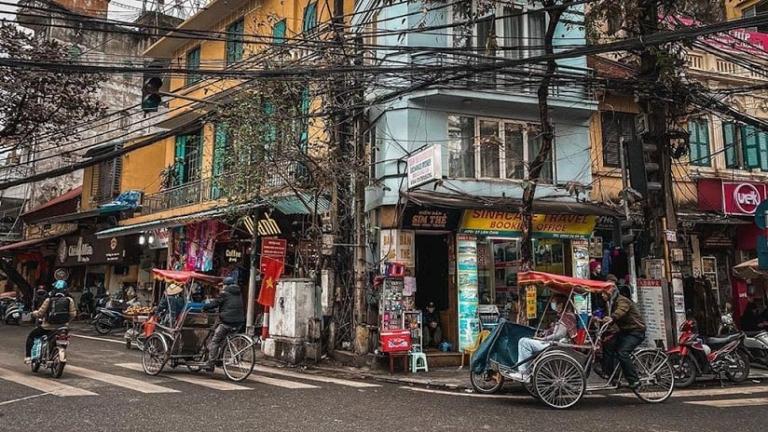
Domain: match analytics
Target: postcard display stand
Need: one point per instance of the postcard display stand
(393, 306)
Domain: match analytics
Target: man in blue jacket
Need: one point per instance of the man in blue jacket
(231, 317)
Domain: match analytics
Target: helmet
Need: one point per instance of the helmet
(229, 280)
(60, 285)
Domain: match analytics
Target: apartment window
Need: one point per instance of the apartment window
(193, 63)
(616, 125)
(494, 148)
(699, 142)
(518, 33)
(310, 18)
(278, 33)
(235, 44)
(105, 179)
(745, 147)
(188, 158)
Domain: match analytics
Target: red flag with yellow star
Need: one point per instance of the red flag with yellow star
(272, 271)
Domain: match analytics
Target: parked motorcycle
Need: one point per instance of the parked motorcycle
(109, 318)
(695, 356)
(13, 313)
(5, 303)
(51, 352)
(756, 343)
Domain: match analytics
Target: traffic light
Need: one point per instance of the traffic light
(643, 159)
(625, 233)
(150, 94)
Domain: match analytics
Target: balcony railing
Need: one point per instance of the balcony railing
(281, 178)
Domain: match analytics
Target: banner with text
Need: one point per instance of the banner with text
(506, 224)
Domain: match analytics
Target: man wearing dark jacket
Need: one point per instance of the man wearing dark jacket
(230, 306)
(626, 316)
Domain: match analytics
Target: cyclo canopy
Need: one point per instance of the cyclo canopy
(184, 277)
(563, 284)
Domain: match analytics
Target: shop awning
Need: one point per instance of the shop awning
(542, 206)
(749, 270)
(32, 242)
(139, 228)
(705, 218)
(295, 204)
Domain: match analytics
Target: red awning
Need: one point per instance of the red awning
(23, 243)
(562, 284)
(184, 276)
(72, 194)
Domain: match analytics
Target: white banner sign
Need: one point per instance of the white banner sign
(425, 166)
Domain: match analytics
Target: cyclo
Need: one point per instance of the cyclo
(560, 373)
(185, 341)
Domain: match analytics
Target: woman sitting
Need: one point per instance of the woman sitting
(564, 330)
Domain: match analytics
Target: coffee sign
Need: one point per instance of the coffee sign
(89, 250)
(742, 198)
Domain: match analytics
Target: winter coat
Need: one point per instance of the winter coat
(625, 314)
(230, 306)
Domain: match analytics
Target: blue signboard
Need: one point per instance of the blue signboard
(762, 253)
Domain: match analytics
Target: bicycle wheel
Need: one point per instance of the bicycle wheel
(239, 357)
(155, 354)
(487, 382)
(559, 380)
(656, 374)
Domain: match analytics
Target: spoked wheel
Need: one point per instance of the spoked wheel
(486, 382)
(155, 355)
(685, 370)
(559, 381)
(740, 370)
(531, 389)
(657, 377)
(239, 357)
(102, 326)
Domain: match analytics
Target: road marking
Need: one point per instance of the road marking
(120, 381)
(49, 386)
(318, 378)
(99, 339)
(23, 399)
(279, 383)
(730, 403)
(484, 396)
(745, 390)
(191, 379)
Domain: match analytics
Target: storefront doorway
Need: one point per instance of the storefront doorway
(433, 280)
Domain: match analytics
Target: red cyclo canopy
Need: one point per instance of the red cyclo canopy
(562, 284)
(184, 276)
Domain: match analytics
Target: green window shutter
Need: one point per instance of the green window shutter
(278, 33)
(193, 63)
(730, 143)
(310, 17)
(699, 142)
(750, 147)
(220, 145)
(235, 45)
(179, 155)
(762, 143)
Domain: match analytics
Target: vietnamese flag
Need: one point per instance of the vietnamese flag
(272, 270)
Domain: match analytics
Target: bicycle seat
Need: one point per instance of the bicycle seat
(722, 340)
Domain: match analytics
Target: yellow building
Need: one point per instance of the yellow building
(744, 8)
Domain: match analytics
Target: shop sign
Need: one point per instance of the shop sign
(161, 238)
(397, 246)
(466, 263)
(505, 224)
(425, 166)
(233, 255)
(530, 302)
(90, 250)
(742, 198)
(651, 302)
(430, 219)
(272, 249)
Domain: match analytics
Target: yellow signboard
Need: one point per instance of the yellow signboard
(530, 302)
(507, 224)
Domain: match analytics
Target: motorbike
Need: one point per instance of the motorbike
(51, 352)
(13, 313)
(109, 318)
(756, 343)
(724, 356)
(5, 303)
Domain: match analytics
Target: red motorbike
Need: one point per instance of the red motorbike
(723, 356)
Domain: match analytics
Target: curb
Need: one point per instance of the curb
(390, 379)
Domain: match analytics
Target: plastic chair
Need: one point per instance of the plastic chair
(419, 362)
(471, 350)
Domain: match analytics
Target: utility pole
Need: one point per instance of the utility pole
(627, 216)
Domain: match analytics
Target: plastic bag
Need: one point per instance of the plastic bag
(149, 326)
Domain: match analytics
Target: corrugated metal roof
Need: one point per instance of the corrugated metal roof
(303, 203)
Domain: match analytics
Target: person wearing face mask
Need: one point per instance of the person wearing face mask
(564, 330)
(433, 333)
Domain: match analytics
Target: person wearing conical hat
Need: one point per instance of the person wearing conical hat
(171, 305)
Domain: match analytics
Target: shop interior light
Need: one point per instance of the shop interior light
(142, 239)
(151, 239)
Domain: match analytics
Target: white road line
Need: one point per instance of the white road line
(49, 386)
(280, 383)
(484, 396)
(99, 339)
(23, 399)
(706, 392)
(119, 381)
(310, 377)
(191, 379)
(730, 403)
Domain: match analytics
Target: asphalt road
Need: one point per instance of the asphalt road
(101, 390)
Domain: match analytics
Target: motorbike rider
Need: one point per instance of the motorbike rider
(86, 302)
(231, 317)
(56, 311)
(40, 295)
(631, 333)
